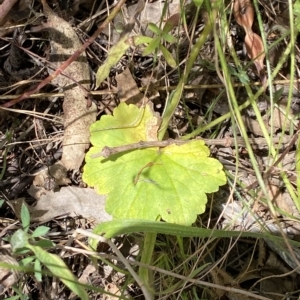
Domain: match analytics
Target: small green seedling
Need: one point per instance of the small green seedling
(154, 44)
(22, 242)
(161, 36)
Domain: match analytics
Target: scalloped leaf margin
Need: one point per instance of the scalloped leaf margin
(170, 182)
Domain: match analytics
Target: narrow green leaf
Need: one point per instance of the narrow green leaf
(25, 217)
(45, 243)
(15, 298)
(114, 55)
(171, 23)
(169, 38)
(151, 47)
(168, 57)
(18, 240)
(141, 39)
(38, 270)
(27, 260)
(40, 231)
(117, 227)
(59, 269)
(198, 3)
(154, 28)
(297, 200)
(278, 94)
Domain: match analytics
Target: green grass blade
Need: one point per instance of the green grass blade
(59, 269)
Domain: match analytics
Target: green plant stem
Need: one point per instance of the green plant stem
(244, 105)
(150, 238)
(6, 140)
(175, 97)
(294, 33)
(238, 116)
(254, 106)
(146, 275)
(126, 226)
(297, 201)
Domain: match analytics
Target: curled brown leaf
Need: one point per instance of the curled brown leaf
(254, 46)
(244, 15)
(255, 50)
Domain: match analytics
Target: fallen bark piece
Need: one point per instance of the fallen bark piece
(77, 115)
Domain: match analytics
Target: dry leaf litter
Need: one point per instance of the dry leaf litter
(50, 134)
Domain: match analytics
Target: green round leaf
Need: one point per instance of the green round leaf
(169, 182)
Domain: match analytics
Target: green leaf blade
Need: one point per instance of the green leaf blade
(56, 266)
(114, 55)
(174, 187)
(154, 28)
(148, 183)
(25, 217)
(38, 270)
(168, 57)
(152, 46)
(19, 240)
(40, 231)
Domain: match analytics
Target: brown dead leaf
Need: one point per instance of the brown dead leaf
(85, 277)
(255, 50)
(77, 116)
(70, 201)
(221, 278)
(254, 126)
(149, 13)
(244, 15)
(128, 90)
(49, 179)
(280, 121)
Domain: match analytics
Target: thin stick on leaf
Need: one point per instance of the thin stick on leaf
(257, 143)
